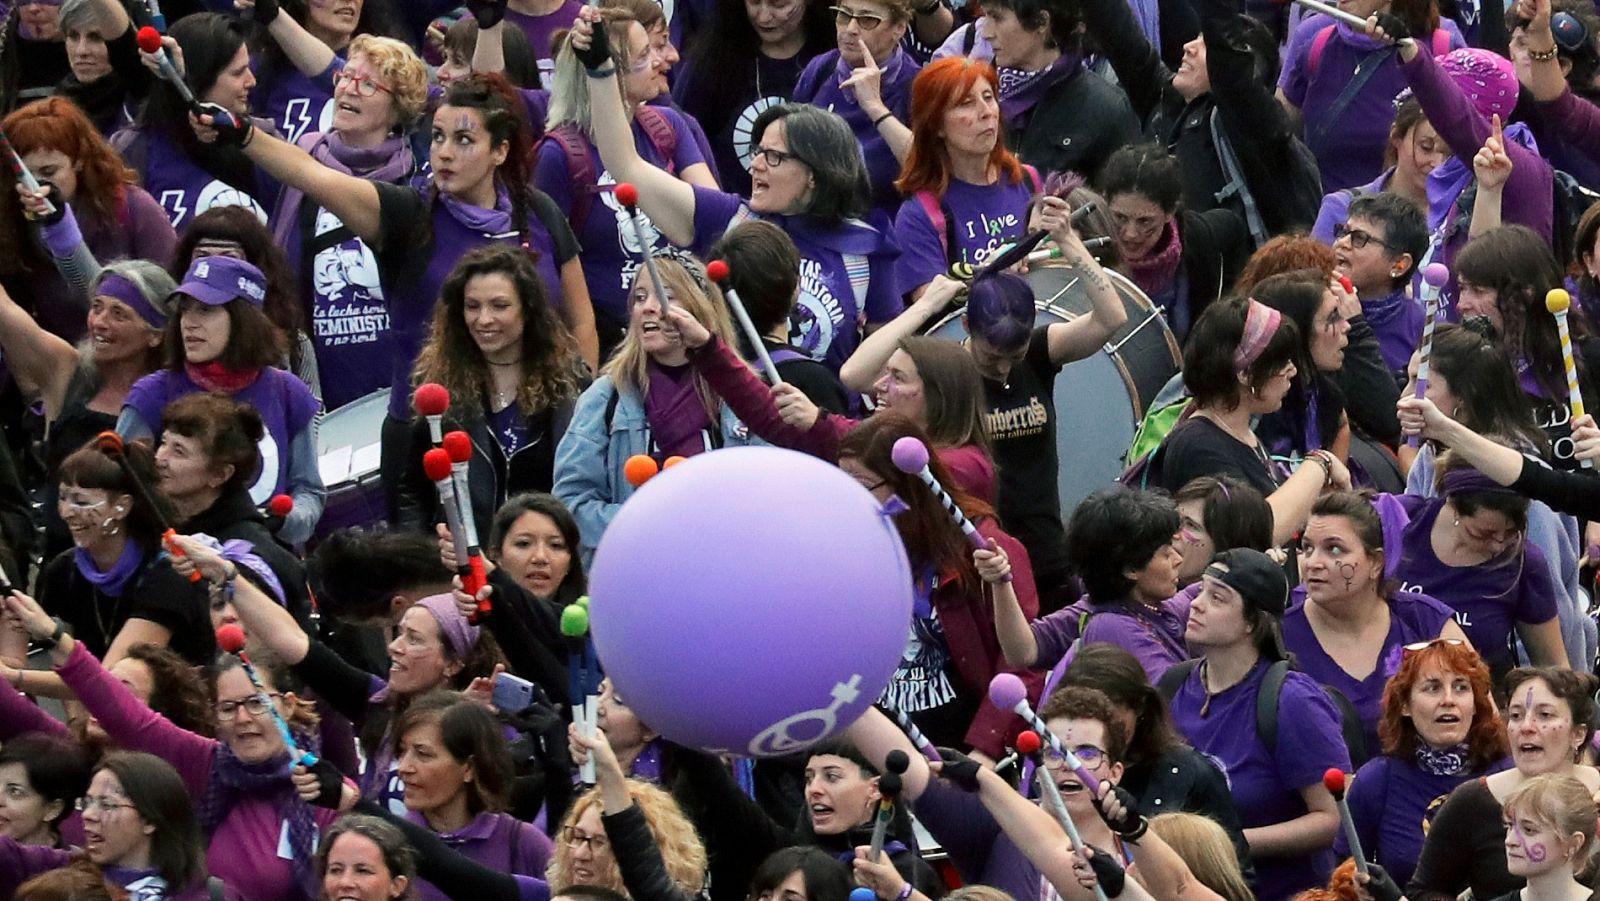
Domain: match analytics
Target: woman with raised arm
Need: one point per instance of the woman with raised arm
(106, 80)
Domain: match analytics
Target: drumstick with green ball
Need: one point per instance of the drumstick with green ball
(583, 676)
(1558, 302)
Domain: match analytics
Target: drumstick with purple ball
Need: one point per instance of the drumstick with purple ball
(1558, 302)
(1007, 692)
(1433, 278)
(910, 456)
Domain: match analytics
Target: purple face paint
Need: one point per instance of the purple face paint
(1534, 853)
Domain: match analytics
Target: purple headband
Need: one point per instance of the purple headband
(119, 288)
(1469, 479)
(459, 634)
(1260, 324)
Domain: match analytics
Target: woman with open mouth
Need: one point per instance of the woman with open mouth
(1439, 728)
(240, 778)
(1549, 715)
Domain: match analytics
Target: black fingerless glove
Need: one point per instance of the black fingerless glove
(960, 769)
(1380, 885)
(1393, 26)
(265, 12)
(1130, 826)
(53, 194)
(599, 52)
(1108, 872)
(232, 131)
(489, 13)
(330, 784)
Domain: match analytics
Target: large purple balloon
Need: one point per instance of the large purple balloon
(750, 601)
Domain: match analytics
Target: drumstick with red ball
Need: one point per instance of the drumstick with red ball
(230, 638)
(458, 447)
(910, 456)
(431, 399)
(24, 174)
(1029, 745)
(1434, 275)
(110, 444)
(436, 464)
(1334, 781)
(628, 196)
(889, 785)
(150, 42)
(717, 271)
(1007, 692)
(279, 506)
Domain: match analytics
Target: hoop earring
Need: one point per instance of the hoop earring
(111, 526)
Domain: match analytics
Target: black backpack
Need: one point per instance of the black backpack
(1267, 707)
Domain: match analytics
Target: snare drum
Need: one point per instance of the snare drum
(1099, 399)
(348, 453)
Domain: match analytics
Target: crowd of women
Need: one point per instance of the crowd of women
(1356, 531)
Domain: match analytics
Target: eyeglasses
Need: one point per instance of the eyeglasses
(103, 803)
(363, 85)
(1416, 646)
(843, 17)
(576, 839)
(774, 158)
(1089, 755)
(1358, 237)
(255, 705)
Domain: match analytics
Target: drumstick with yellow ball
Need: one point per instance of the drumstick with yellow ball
(1558, 302)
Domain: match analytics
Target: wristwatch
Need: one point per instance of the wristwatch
(61, 629)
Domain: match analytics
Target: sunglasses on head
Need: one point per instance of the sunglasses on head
(1416, 646)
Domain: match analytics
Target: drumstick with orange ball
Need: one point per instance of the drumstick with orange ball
(110, 444)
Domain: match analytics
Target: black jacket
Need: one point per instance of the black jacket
(235, 517)
(1216, 245)
(1076, 126)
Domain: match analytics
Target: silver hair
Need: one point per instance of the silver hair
(154, 282)
(82, 16)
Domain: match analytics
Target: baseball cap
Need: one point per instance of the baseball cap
(216, 280)
(1258, 579)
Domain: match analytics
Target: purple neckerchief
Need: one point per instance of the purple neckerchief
(850, 236)
(1026, 93)
(1446, 182)
(1530, 382)
(242, 553)
(114, 582)
(1393, 517)
(390, 161)
(495, 223)
(647, 766)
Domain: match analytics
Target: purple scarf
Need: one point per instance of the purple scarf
(233, 779)
(1446, 183)
(1020, 98)
(390, 161)
(113, 583)
(1154, 273)
(495, 223)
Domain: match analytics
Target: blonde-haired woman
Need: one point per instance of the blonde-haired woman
(648, 400)
(1204, 845)
(626, 835)
(569, 168)
(378, 95)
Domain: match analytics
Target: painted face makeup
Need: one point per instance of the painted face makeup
(1536, 852)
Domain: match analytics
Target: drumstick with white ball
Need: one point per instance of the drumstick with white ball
(1334, 781)
(628, 196)
(431, 400)
(1007, 692)
(717, 271)
(910, 456)
(1029, 745)
(1558, 302)
(1433, 278)
(889, 785)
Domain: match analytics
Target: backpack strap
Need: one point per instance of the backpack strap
(658, 129)
(1237, 186)
(786, 355)
(1365, 70)
(934, 209)
(1267, 705)
(969, 39)
(1318, 45)
(580, 168)
(859, 268)
(1175, 676)
(1033, 177)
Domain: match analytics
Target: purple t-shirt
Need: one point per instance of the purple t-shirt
(978, 219)
(846, 273)
(1393, 803)
(540, 29)
(1349, 151)
(285, 403)
(181, 186)
(295, 103)
(1266, 788)
(1412, 617)
(498, 841)
(819, 85)
(1488, 602)
(421, 246)
(610, 249)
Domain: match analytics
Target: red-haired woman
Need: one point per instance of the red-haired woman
(1439, 728)
(966, 193)
(101, 214)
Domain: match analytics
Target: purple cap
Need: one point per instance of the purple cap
(216, 280)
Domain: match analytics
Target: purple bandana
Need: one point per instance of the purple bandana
(460, 635)
(118, 288)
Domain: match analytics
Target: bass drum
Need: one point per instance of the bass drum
(348, 454)
(1101, 398)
